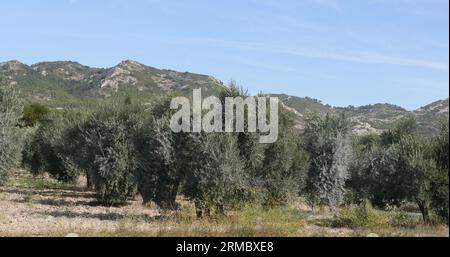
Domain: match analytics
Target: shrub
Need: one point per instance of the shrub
(363, 216)
(34, 113)
(249, 220)
(403, 220)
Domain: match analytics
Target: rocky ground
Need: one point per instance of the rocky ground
(42, 207)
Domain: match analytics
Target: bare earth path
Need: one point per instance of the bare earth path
(59, 211)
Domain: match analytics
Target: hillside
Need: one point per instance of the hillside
(430, 116)
(57, 83)
(60, 83)
(371, 118)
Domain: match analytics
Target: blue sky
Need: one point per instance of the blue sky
(343, 52)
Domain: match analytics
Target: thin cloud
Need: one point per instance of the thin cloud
(262, 65)
(355, 57)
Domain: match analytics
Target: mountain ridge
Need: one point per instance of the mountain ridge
(57, 82)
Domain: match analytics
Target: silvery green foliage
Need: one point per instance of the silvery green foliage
(284, 172)
(400, 165)
(10, 137)
(107, 154)
(286, 164)
(50, 149)
(217, 178)
(370, 169)
(327, 142)
(161, 163)
(332, 185)
(440, 189)
(163, 157)
(415, 169)
(206, 167)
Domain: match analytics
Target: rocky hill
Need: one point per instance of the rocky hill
(56, 83)
(371, 118)
(60, 83)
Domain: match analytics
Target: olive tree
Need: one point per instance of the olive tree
(216, 178)
(107, 152)
(285, 166)
(51, 149)
(163, 156)
(328, 144)
(401, 165)
(161, 162)
(415, 168)
(10, 136)
(440, 185)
